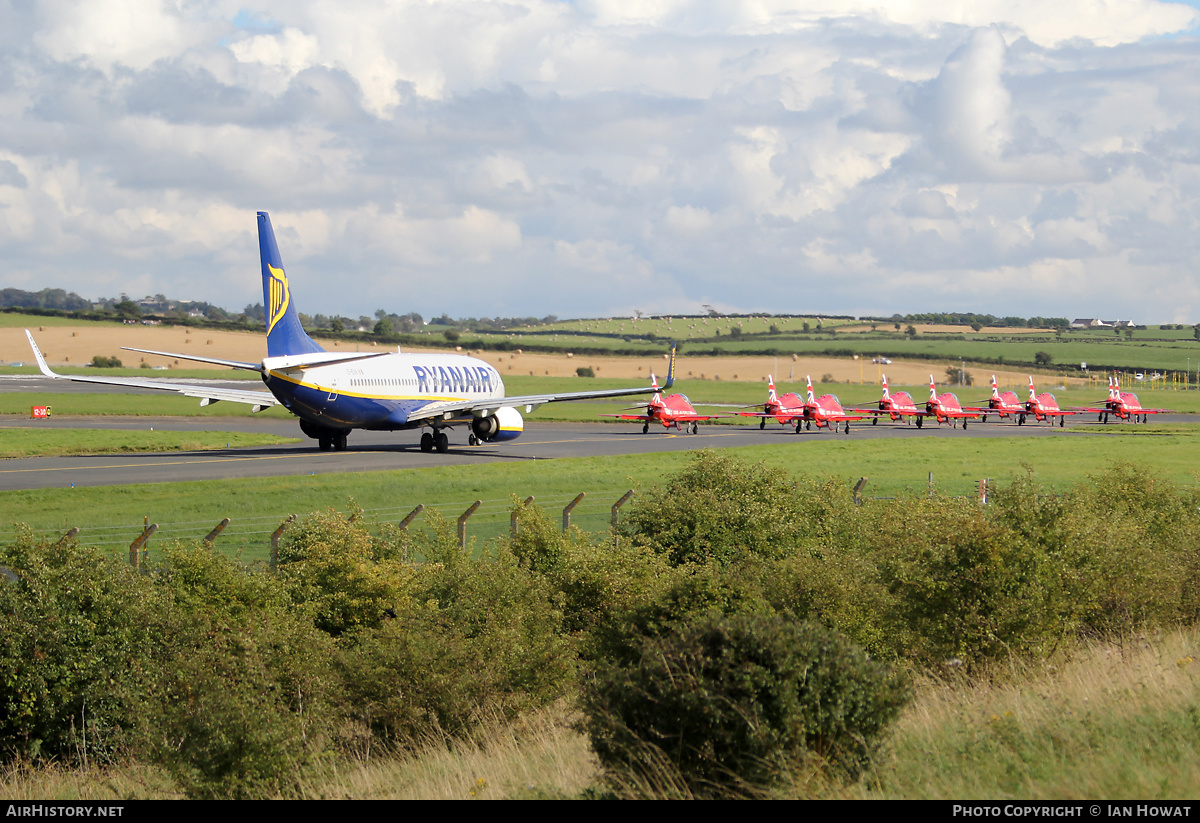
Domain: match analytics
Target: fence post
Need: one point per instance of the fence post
(983, 491)
(858, 487)
(462, 523)
(411, 516)
(512, 518)
(275, 535)
(931, 484)
(63, 540)
(616, 514)
(569, 508)
(135, 548)
(215, 533)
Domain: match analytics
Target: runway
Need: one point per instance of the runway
(384, 451)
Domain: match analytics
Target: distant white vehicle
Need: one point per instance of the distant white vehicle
(881, 360)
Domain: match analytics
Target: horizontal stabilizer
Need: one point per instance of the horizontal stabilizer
(321, 358)
(216, 361)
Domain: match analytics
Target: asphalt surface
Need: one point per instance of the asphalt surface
(380, 451)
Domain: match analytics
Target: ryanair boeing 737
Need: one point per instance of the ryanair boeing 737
(333, 392)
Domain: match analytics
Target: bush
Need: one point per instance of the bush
(717, 508)
(477, 638)
(102, 362)
(345, 575)
(735, 705)
(585, 371)
(80, 640)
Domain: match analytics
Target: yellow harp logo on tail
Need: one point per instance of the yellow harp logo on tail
(279, 297)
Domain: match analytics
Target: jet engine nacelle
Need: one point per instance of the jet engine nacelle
(504, 423)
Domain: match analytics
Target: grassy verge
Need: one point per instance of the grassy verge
(22, 442)
(1116, 721)
(88, 404)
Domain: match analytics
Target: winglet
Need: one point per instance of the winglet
(671, 368)
(41, 360)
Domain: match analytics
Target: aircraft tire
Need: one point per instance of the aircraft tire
(964, 424)
(645, 428)
(762, 424)
(325, 444)
(472, 440)
(874, 421)
(426, 442)
(920, 422)
(339, 441)
(442, 442)
(847, 429)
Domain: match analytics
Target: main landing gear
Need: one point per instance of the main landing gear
(436, 440)
(327, 438)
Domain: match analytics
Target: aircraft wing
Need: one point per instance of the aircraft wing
(207, 394)
(458, 408)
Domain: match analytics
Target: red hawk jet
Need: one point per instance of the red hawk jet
(1045, 407)
(946, 408)
(787, 409)
(671, 411)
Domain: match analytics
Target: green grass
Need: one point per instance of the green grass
(25, 442)
(136, 405)
(113, 515)
(1117, 721)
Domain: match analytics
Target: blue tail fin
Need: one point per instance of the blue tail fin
(285, 335)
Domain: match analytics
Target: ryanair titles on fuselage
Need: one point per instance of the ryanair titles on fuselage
(455, 379)
(416, 375)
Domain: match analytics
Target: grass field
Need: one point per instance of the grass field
(22, 442)
(113, 515)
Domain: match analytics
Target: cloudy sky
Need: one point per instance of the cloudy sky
(592, 157)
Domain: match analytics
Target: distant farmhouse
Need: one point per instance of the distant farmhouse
(1092, 323)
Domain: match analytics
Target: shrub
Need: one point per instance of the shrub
(346, 576)
(80, 639)
(716, 508)
(585, 371)
(736, 704)
(242, 713)
(477, 638)
(102, 362)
